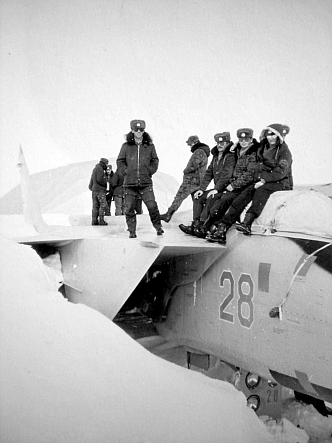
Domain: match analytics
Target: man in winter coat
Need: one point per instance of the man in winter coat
(241, 188)
(192, 175)
(274, 172)
(118, 195)
(137, 162)
(109, 189)
(220, 170)
(98, 186)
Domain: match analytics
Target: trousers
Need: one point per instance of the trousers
(146, 193)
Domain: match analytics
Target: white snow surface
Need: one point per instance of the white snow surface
(68, 374)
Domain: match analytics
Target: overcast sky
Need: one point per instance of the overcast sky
(74, 73)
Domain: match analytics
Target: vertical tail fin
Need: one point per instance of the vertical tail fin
(31, 209)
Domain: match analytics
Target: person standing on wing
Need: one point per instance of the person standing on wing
(137, 162)
(98, 186)
(220, 170)
(192, 175)
(109, 189)
(274, 170)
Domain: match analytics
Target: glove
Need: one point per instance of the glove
(259, 184)
(211, 193)
(198, 193)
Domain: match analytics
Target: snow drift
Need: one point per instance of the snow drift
(68, 374)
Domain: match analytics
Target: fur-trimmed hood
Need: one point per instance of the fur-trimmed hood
(146, 139)
(276, 128)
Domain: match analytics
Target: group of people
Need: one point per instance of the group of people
(242, 172)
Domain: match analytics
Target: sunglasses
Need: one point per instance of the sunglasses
(271, 134)
(139, 130)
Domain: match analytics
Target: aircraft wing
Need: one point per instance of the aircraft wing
(103, 272)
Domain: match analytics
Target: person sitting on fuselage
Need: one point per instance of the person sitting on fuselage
(241, 183)
(274, 171)
(220, 171)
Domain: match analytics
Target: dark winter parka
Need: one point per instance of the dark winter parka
(196, 167)
(275, 163)
(117, 184)
(244, 171)
(137, 163)
(219, 171)
(98, 180)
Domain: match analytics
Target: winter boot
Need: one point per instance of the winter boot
(219, 236)
(211, 231)
(102, 221)
(167, 216)
(160, 231)
(132, 235)
(200, 230)
(245, 226)
(188, 229)
(95, 221)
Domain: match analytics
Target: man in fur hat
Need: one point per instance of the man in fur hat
(137, 162)
(98, 186)
(192, 175)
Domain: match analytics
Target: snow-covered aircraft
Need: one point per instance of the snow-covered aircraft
(262, 304)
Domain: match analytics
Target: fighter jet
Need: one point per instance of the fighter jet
(261, 304)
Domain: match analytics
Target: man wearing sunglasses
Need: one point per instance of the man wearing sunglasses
(274, 172)
(219, 171)
(137, 162)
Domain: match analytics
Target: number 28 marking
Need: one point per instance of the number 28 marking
(244, 302)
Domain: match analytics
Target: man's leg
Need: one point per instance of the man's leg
(184, 191)
(148, 198)
(221, 204)
(102, 207)
(95, 209)
(261, 196)
(130, 202)
(138, 207)
(118, 202)
(237, 206)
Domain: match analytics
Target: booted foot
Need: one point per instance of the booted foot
(242, 227)
(217, 237)
(200, 232)
(160, 231)
(186, 229)
(95, 223)
(165, 217)
(102, 221)
(132, 235)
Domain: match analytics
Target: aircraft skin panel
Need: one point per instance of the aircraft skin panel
(226, 312)
(103, 272)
